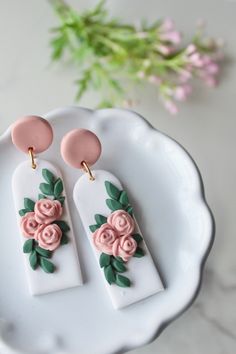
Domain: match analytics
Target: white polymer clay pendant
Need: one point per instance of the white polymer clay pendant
(45, 227)
(124, 260)
(115, 237)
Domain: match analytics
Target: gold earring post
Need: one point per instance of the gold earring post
(31, 154)
(87, 170)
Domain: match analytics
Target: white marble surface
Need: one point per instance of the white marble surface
(205, 126)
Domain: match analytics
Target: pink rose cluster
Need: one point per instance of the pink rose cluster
(115, 236)
(38, 224)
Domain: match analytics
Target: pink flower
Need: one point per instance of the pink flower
(196, 59)
(171, 36)
(49, 236)
(47, 211)
(124, 247)
(29, 225)
(164, 49)
(171, 106)
(210, 81)
(212, 68)
(191, 48)
(104, 237)
(206, 60)
(167, 25)
(185, 74)
(182, 92)
(122, 222)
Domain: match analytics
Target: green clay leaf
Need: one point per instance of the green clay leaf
(22, 212)
(119, 267)
(100, 219)
(48, 176)
(130, 210)
(139, 253)
(61, 200)
(41, 196)
(64, 240)
(138, 238)
(104, 260)
(124, 200)
(114, 204)
(122, 281)
(42, 252)
(46, 265)
(119, 259)
(29, 204)
(112, 190)
(93, 228)
(109, 274)
(63, 225)
(46, 189)
(33, 259)
(58, 188)
(28, 246)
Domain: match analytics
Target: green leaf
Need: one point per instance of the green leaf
(61, 200)
(42, 252)
(63, 225)
(64, 239)
(41, 196)
(28, 246)
(119, 267)
(46, 189)
(33, 259)
(130, 210)
(109, 274)
(139, 253)
(112, 190)
(138, 238)
(119, 259)
(46, 265)
(58, 188)
(114, 204)
(124, 200)
(48, 176)
(122, 281)
(29, 204)
(22, 212)
(93, 228)
(100, 219)
(104, 260)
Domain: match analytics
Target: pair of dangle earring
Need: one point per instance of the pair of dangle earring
(105, 210)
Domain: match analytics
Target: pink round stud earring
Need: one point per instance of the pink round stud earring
(42, 210)
(108, 219)
(32, 135)
(81, 148)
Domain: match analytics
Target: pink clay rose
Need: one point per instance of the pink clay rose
(124, 247)
(104, 237)
(49, 236)
(47, 211)
(122, 222)
(29, 225)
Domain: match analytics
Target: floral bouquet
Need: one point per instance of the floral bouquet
(41, 223)
(108, 55)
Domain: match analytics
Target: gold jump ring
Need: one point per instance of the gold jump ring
(87, 170)
(31, 154)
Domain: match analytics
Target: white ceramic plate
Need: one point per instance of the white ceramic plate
(165, 188)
